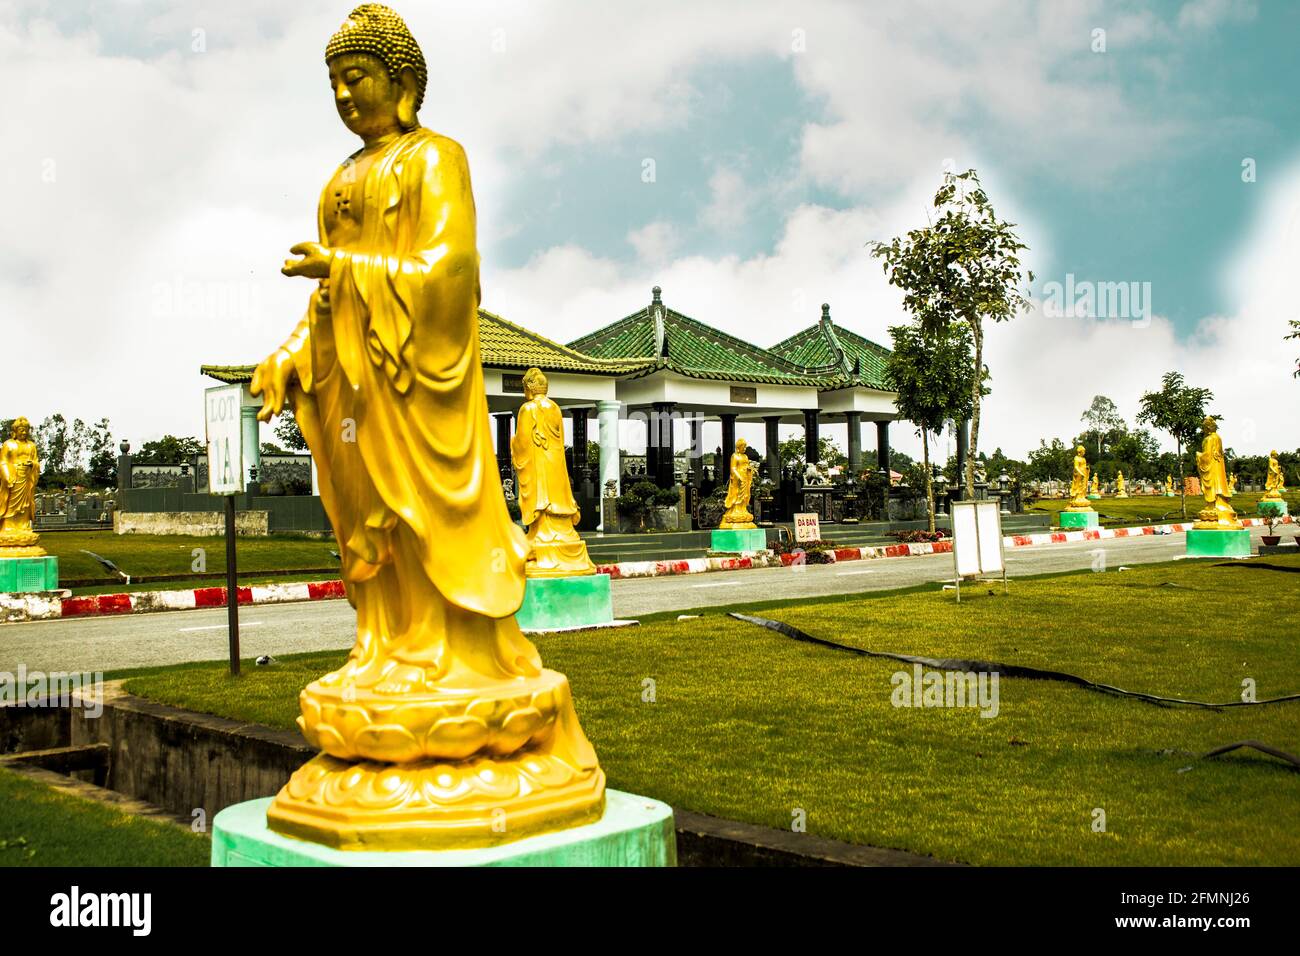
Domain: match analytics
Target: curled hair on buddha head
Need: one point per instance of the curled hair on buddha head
(379, 31)
(535, 381)
(20, 423)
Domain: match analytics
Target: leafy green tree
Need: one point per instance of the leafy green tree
(931, 372)
(792, 452)
(1295, 334)
(103, 457)
(1103, 421)
(1049, 462)
(964, 267)
(288, 432)
(168, 450)
(1177, 410)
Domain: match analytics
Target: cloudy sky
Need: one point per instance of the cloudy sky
(161, 157)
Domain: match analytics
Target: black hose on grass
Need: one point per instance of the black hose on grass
(1006, 670)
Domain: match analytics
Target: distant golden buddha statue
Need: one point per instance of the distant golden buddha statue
(546, 504)
(442, 730)
(1218, 512)
(1079, 480)
(20, 467)
(1274, 482)
(1121, 486)
(738, 515)
(1169, 485)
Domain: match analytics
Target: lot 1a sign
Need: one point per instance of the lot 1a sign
(224, 435)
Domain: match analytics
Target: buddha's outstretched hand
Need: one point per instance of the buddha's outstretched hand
(315, 261)
(271, 381)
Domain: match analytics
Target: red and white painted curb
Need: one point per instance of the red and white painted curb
(34, 607)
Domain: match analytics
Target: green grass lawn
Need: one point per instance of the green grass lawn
(1144, 509)
(41, 827)
(148, 554)
(753, 726)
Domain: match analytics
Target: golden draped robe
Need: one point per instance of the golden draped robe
(1214, 484)
(738, 514)
(391, 401)
(1079, 482)
(1274, 483)
(546, 503)
(19, 470)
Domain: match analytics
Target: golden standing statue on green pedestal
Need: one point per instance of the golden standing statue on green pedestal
(442, 730)
(1274, 483)
(20, 467)
(1121, 486)
(739, 486)
(1079, 482)
(546, 504)
(1218, 513)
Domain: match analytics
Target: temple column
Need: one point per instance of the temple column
(772, 440)
(721, 468)
(811, 445)
(854, 420)
(579, 417)
(882, 446)
(651, 445)
(697, 464)
(251, 440)
(503, 420)
(665, 474)
(607, 423)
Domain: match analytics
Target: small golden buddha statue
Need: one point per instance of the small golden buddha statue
(1274, 482)
(1121, 486)
(1218, 512)
(20, 467)
(442, 730)
(1169, 485)
(1079, 482)
(739, 487)
(546, 504)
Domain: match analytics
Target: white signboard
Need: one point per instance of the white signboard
(977, 540)
(224, 433)
(807, 527)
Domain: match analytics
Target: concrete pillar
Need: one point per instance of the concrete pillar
(882, 446)
(811, 445)
(504, 421)
(579, 416)
(963, 444)
(697, 465)
(722, 468)
(251, 440)
(607, 424)
(854, 420)
(772, 441)
(665, 475)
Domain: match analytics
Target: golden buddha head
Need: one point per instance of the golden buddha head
(535, 383)
(377, 71)
(1210, 425)
(20, 429)
(1079, 450)
(741, 445)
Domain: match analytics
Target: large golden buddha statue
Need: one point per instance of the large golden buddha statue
(20, 467)
(739, 485)
(1274, 482)
(1218, 512)
(546, 504)
(1079, 480)
(442, 730)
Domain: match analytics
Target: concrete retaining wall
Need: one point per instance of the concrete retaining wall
(196, 524)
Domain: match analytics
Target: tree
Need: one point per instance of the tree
(1102, 418)
(1050, 462)
(1178, 410)
(168, 450)
(287, 430)
(103, 460)
(792, 452)
(965, 267)
(52, 444)
(931, 373)
(1295, 334)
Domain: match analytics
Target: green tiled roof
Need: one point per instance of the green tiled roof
(503, 345)
(827, 345)
(695, 350)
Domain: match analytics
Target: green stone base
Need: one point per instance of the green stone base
(1093, 497)
(1212, 543)
(29, 574)
(635, 831)
(1276, 506)
(734, 540)
(551, 604)
(1078, 520)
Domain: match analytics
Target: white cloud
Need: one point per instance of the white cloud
(655, 242)
(1204, 14)
(729, 201)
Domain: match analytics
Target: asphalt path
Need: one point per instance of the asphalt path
(169, 637)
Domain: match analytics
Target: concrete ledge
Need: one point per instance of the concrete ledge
(198, 524)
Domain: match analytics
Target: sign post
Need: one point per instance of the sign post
(977, 542)
(807, 527)
(224, 434)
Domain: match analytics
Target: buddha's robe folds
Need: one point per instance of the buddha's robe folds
(18, 474)
(1274, 484)
(1214, 483)
(1079, 480)
(391, 401)
(738, 514)
(546, 503)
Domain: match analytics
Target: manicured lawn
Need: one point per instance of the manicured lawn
(143, 555)
(1143, 509)
(41, 827)
(751, 725)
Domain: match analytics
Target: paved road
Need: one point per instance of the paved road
(140, 640)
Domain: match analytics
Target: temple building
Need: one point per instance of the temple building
(660, 366)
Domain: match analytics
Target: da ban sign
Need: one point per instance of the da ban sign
(225, 439)
(807, 527)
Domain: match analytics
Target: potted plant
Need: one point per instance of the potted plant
(1270, 514)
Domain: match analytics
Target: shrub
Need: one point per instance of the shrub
(920, 536)
(638, 502)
